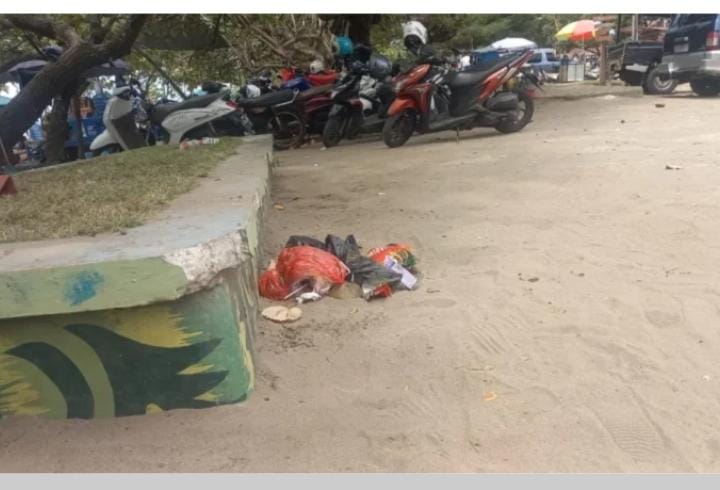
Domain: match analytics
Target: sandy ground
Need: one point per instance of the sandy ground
(567, 318)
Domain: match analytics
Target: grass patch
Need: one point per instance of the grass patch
(105, 194)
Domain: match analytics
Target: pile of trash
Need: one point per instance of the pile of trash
(307, 269)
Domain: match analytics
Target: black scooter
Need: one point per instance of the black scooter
(355, 110)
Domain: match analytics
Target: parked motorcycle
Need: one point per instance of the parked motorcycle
(275, 113)
(207, 115)
(360, 101)
(122, 131)
(431, 99)
(291, 113)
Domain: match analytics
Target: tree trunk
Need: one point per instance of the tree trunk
(26, 108)
(77, 113)
(20, 114)
(58, 129)
(358, 25)
(359, 28)
(603, 64)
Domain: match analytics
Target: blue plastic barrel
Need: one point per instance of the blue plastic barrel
(485, 57)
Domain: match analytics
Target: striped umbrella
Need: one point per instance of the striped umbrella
(578, 31)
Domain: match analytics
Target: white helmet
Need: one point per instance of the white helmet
(317, 66)
(252, 91)
(414, 32)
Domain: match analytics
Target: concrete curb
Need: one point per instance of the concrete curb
(160, 318)
(585, 91)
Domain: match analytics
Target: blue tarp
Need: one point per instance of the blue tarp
(4, 100)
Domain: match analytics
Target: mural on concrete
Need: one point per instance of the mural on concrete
(191, 353)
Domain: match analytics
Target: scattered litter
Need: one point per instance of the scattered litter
(408, 280)
(432, 291)
(490, 396)
(399, 252)
(322, 149)
(659, 106)
(673, 167)
(279, 206)
(622, 121)
(308, 269)
(706, 377)
(299, 269)
(381, 193)
(308, 297)
(316, 165)
(187, 144)
(531, 279)
(609, 97)
(281, 314)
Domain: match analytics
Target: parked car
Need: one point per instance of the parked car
(692, 52)
(545, 59)
(636, 61)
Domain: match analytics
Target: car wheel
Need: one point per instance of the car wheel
(705, 88)
(658, 82)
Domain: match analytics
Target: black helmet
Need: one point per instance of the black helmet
(362, 52)
(379, 66)
(358, 67)
(212, 87)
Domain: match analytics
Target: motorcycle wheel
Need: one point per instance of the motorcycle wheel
(333, 132)
(354, 127)
(288, 130)
(524, 114)
(398, 128)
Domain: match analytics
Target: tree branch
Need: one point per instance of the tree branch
(119, 43)
(95, 21)
(105, 30)
(46, 27)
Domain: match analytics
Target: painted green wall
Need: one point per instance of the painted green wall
(190, 353)
(98, 286)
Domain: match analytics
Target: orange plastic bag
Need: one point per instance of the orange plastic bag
(297, 265)
(271, 284)
(401, 253)
(322, 269)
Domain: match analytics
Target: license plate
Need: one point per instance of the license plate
(681, 48)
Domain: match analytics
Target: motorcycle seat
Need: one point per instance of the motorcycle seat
(161, 111)
(314, 92)
(266, 100)
(472, 77)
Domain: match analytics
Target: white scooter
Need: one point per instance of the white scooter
(177, 119)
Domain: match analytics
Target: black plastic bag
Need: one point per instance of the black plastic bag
(363, 270)
(304, 241)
